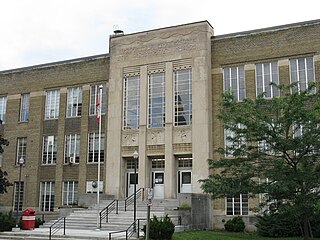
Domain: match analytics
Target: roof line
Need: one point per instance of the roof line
(267, 29)
(50, 64)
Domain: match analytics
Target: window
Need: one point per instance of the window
(74, 102)
(231, 142)
(131, 105)
(184, 162)
(131, 163)
(24, 107)
(70, 193)
(52, 104)
(157, 163)
(234, 82)
(94, 92)
(267, 73)
(183, 97)
(72, 148)
(49, 151)
(17, 196)
(3, 105)
(237, 205)
(21, 149)
(302, 73)
(47, 196)
(156, 100)
(94, 148)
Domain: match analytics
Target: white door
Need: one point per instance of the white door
(131, 179)
(158, 185)
(184, 182)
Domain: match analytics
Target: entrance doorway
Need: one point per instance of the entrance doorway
(158, 184)
(184, 182)
(131, 180)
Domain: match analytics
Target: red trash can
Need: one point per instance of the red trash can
(28, 219)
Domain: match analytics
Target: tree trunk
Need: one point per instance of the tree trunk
(306, 232)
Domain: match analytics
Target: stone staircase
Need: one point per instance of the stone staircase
(83, 222)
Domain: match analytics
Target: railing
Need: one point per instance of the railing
(129, 200)
(134, 228)
(104, 213)
(54, 228)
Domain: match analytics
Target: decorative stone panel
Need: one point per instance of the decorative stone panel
(130, 138)
(155, 137)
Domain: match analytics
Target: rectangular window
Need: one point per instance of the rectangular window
(266, 74)
(21, 149)
(231, 142)
(94, 148)
(24, 107)
(183, 97)
(158, 163)
(184, 162)
(49, 151)
(131, 102)
(3, 106)
(70, 193)
(72, 149)
(74, 102)
(234, 82)
(52, 104)
(156, 100)
(17, 203)
(94, 93)
(301, 73)
(47, 196)
(238, 205)
(131, 162)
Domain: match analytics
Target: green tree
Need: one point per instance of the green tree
(4, 183)
(275, 150)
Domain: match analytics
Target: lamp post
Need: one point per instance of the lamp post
(21, 162)
(135, 156)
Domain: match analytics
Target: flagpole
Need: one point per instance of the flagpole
(99, 149)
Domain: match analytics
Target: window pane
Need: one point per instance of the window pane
(131, 99)
(3, 105)
(24, 107)
(52, 104)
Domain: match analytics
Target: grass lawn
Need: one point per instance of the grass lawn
(207, 235)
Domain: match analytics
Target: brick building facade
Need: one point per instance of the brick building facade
(162, 90)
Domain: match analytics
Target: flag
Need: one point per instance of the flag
(98, 108)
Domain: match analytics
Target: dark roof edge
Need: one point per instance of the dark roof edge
(268, 29)
(51, 64)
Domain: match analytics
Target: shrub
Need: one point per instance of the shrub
(235, 224)
(278, 225)
(162, 229)
(7, 222)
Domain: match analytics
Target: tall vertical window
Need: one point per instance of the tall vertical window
(131, 102)
(232, 142)
(94, 148)
(47, 196)
(301, 73)
(49, 151)
(234, 82)
(16, 202)
(21, 149)
(237, 205)
(74, 102)
(156, 100)
(183, 97)
(24, 107)
(70, 193)
(94, 93)
(72, 148)
(266, 74)
(52, 104)
(3, 106)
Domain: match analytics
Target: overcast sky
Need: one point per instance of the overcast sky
(41, 31)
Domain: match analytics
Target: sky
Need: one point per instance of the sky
(42, 31)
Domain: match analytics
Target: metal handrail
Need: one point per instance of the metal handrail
(54, 228)
(133, 228)
(104, 213)
(129, 200)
